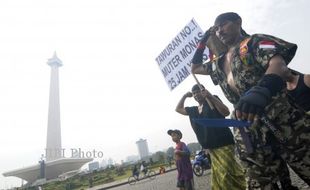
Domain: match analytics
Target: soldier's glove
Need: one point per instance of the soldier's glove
(198, 56)
(254, 101)
(215, 45)
(205, 37)
(258, 97)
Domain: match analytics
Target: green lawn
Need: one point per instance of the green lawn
(81, 182)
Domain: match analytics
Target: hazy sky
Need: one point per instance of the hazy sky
(111, 90)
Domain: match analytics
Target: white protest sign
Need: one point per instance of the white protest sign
(175, 60)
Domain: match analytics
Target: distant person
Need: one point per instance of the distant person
(162, 170)
(183, 163)
(135, 171)
(143, 168)
(226, 172)
(205, 153)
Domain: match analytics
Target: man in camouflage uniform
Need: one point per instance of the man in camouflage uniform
(250, 72)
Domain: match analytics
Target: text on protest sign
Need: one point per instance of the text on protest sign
(175, 60)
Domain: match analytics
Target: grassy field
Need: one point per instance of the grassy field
(82, 182)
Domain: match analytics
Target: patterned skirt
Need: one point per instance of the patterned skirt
(226, 171)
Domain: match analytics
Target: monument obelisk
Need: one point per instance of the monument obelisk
(55, 164)
(53, 141)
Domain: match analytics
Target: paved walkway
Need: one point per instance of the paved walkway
(168, 181)
(165, 182)
(161, 182)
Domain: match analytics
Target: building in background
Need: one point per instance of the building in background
(143, 148)
(110, 162)
(132, 158)
(103, 164)
(93, 166)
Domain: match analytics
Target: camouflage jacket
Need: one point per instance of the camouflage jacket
(250, 62)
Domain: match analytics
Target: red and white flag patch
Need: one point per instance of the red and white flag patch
(267, 45)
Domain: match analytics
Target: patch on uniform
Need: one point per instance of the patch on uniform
(243, 51)
(266, 45)
(244, 47)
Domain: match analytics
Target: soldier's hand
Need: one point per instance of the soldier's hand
(206, 35)
(251, 106)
